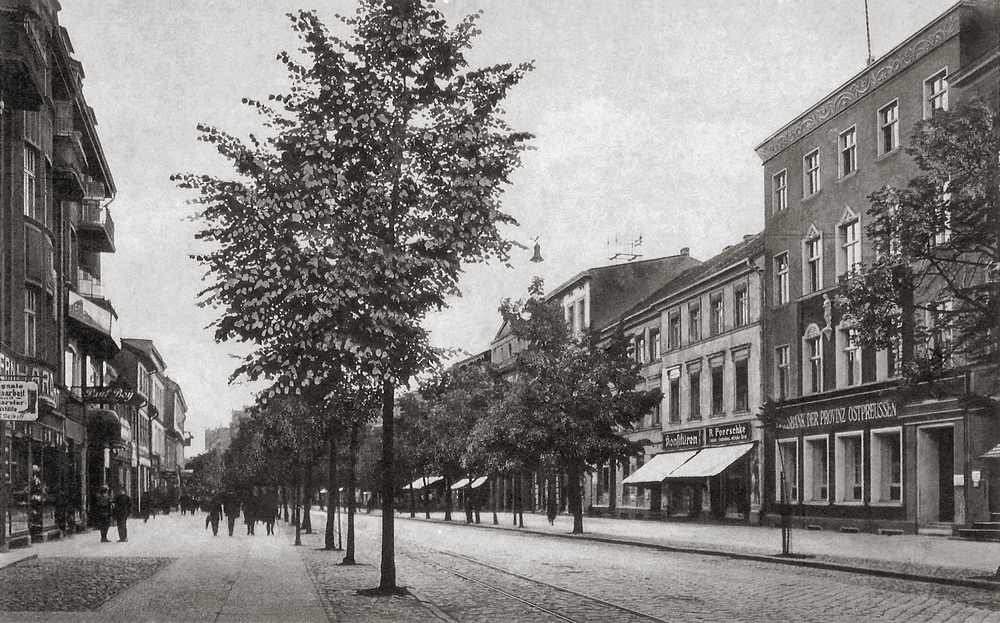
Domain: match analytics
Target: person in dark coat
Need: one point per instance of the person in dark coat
(231, 507)
(121, 508)
(102, 513)
(269, 509)
(214, 510)
(250, 510)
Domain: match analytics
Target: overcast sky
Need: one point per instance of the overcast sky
(646, 114)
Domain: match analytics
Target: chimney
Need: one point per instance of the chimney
(686, 251)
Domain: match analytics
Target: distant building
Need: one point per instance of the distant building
(222, 437)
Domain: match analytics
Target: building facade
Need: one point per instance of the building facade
(850, 450)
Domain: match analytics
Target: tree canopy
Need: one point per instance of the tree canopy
(931, 294)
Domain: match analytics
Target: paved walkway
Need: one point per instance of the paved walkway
(221, 579)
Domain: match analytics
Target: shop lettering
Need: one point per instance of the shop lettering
(681, 440)
(732, 432)
(11, 368)
(840, 415)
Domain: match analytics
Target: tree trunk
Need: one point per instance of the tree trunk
(573, 494)
(388, 572)
(298, 524)
(352, 485)
(307, 498)
(332, 485)
(427, 500)
(447, 498)
(612, 487)
(494, 485)
(520, 500)
(413, 500)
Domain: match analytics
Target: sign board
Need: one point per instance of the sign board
(728, 433)
(687, 439)
(19, 400)
(108, 395)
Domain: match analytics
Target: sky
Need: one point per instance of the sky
(645, 114)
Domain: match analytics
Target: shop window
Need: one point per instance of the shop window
(849, 460)
(786, 471)
(694, 392)
(816, 469)
(717, 320)
(886, 466)
(741, 368)
(718, 387)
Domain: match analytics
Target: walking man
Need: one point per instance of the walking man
(231, 507)
(121, 509)
(214, 509)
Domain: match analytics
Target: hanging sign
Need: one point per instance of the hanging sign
(19, 400)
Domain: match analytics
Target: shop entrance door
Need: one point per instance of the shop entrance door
(935, 474)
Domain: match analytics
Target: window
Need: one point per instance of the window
(850, 467)
(779, 191)
(718, 387)
(581, 317)
(654, 344)
(675, 395)
(30, 322)
(694, 389)
(717, 320)
(851, 359)
(30, 186)
(936, 93)
(815, 470)
(781, 278)
(886, 466)
(814, 264)
(786, 472)
(940, 336)
(656, 415)
(814, 351)
(741, 368)
(640, 348)
(741, 316)
(888, 128)
(810, 173)
(850, 234)
(782, 372)
(694, 322)
(848, 145)
(674, 330)
(69, 368)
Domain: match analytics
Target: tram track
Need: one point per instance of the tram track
(613, 611)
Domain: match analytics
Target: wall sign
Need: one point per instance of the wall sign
(728, 433)
(840, 415)
(686, 439)
(18, 400)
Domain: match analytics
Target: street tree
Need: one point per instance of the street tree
(380, 175)
(931, 294)
(573, 398)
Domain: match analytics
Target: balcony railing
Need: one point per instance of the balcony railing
(96, 227)
(88, 285)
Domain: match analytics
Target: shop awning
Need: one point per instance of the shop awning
(659, 467)
(422, 482)
(992, 454)
(478, 482)
(710, 461)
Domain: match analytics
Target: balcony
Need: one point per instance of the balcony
(88, 285)
(23, 78)
(95, 227)
(69, 159)
(96, 323)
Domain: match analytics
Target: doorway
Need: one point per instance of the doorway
(935, 474)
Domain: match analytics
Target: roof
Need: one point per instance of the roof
(749, 248)
(146, 348)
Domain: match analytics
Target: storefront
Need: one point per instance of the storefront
(707, 473)
(881, 460)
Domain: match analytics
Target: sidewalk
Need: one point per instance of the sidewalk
(926, 558)
(221, 579)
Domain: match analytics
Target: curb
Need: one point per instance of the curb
(773, 559)
(4, 565)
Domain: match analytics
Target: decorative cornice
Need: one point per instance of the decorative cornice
(891, 65)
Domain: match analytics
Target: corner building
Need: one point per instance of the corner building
(852, 452)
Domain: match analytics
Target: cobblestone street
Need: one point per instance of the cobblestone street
(454, 573)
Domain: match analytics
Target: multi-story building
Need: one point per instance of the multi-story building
(699, 340)
(56, 327)
(176, 435)
(593, 300)
(849, 451)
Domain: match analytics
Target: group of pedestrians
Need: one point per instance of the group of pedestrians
(258, 505)
(118, 507)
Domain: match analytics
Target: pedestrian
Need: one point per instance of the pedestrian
(102, 513)
(121, 508)
(269, 506)
(250, 505)
(231, 507)
(214, 509)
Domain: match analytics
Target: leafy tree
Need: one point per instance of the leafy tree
(207, 474)
(572, 398)
(381, 175)
(936, 251)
